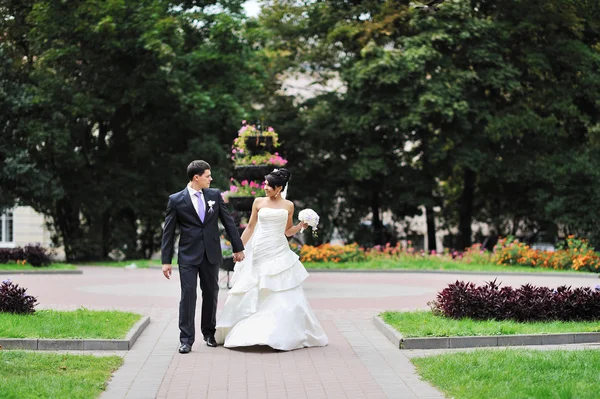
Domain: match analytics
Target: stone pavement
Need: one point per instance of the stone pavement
(359, 361)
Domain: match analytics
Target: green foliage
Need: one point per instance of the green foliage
(488, 111)
(107, 104)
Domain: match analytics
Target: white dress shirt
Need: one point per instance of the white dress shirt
(195, 198)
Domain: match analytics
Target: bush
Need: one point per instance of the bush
(527, 303)
(13, 299)
(35, 255)
(332, 253)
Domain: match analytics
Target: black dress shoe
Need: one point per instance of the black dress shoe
(185, 348)
(211, 341)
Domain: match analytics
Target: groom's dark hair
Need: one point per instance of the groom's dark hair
(197, 168)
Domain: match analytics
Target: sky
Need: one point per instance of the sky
(252, 8)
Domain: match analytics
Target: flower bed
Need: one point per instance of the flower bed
(575, 255)
(332, 253)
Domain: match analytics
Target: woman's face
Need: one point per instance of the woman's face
(270, 191)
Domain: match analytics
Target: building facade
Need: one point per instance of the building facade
(21, 226)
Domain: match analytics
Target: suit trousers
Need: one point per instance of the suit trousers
(209, 284)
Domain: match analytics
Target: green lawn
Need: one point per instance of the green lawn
(25, 375)
(53, 266)
(409, 263)
(141, 263)
(509, 374)
(81, 323)
(428, 263)
(425, 324)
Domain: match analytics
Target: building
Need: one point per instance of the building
(21, 226)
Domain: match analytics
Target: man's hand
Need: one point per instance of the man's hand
(167, 271)
(238, 256)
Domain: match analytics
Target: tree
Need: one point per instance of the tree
(120, 97)
(458, 108)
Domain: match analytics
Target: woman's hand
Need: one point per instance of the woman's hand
(303, 225)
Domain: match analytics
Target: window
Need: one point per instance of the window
(7, 228)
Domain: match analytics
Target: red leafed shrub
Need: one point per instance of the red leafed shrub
(526, 303)
(34, 255)
(13, 299)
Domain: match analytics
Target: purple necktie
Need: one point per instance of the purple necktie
(200, 206)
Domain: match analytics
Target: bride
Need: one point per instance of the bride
(266, 304)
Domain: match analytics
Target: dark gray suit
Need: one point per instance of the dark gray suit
(199, 255)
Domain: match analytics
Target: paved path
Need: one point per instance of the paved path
(359, 361)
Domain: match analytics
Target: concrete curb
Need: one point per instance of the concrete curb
(78, 344)
(482, 341)
(51, 271)
(482, 273)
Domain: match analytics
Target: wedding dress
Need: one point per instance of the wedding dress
(266, 304)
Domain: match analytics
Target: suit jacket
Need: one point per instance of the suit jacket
(197, 238)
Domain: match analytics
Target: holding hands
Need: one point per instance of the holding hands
(238, 256)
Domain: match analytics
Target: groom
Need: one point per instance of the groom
(195, 210)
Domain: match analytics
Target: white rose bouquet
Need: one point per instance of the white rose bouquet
(309, 217)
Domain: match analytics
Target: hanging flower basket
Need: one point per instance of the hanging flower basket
(252, 172)
(241, 203)
(259, 144)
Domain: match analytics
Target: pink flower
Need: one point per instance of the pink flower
(253, 192)
(241, 150)
(244, 122)
(232, 157)
(245, 183)
(233, 151)
(232, 179)
(433, 251)
(270, 129)
(253, 162)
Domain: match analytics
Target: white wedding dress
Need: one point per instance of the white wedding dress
(266, 304)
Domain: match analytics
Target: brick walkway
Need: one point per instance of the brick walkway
(359, 361)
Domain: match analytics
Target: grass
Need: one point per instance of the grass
(425, 324)
(53, 266)
(81, 323)
(409, 263)
(508, 374)
(25, 375)
(428, 263)
(141, 263)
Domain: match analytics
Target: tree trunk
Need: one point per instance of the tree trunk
(106, 234)
(429, 176)
(378, 237)
(66, 224)
(466, 209)
(430, 216)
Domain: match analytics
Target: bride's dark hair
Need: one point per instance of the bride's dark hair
(278, 178)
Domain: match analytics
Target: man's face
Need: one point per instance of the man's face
(203, 181)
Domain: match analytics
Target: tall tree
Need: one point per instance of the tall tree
(120, 97)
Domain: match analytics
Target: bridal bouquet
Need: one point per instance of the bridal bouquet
(311, 218)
